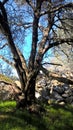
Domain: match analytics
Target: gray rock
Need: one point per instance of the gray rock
(66, 87)
(61, 103)
(68, 92)
(44, 93)
(69, 99)
(58, 89)
(56, 96)
(65, 95)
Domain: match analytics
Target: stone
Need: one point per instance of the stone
(58, 89)
(17, 83)
(56, 96)
(66, 87)
(64, 95)
(68, 92)
(69, 99)
(44, 93)
(37, 95)
(61, 103)
(51, 101)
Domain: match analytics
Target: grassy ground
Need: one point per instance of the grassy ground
(55, 118)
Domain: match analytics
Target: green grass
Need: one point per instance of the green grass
(56, 118)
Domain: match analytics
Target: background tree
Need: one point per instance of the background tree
(64, 52)
(44, 17)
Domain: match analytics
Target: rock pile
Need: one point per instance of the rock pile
(55, 91)
(60, 94)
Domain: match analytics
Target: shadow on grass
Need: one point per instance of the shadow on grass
(10, 121)
(56, 118)
(66, 108)
(20, 120)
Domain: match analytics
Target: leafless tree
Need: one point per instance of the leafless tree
(45, 18)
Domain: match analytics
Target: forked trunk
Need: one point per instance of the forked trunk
(29, 91)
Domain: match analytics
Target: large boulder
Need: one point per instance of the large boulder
(8, 91)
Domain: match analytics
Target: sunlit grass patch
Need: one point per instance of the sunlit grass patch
(5, 106)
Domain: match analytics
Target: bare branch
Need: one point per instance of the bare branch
(34, 36)
(6, 44)
(30, 4)
(51, 64)
(22, 60)
(60, 41)
(60, 27)
(70, 5)
(7, 61)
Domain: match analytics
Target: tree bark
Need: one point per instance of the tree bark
(29, 93)
(30, 87)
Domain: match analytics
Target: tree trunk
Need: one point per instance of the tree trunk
(29, 91)
(30, 87)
